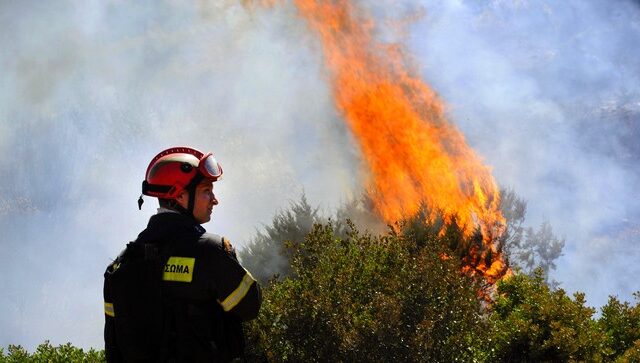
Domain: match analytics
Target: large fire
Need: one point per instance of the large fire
(414, 154)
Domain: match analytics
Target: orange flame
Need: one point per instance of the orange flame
(414, 154)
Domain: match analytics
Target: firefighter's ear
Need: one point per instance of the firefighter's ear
(183, 199)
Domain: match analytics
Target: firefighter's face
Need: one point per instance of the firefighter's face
(203, 203)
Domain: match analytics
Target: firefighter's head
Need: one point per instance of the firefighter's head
(182, 179)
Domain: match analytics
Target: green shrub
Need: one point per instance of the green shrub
(621, 325)
(534, 323)
(45, 352)
(366, 298)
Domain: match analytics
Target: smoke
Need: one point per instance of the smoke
(90, 91)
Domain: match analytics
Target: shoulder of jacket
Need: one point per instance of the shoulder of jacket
(124, 253)
(217, 243)
(212, 240)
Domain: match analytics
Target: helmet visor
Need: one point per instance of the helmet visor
(210, 167)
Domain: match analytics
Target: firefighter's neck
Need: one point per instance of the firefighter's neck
(167, 210)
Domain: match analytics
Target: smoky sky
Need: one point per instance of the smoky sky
(546, 92)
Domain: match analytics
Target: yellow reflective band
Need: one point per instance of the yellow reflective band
(236, 296)
(108, 309)
(179, 269)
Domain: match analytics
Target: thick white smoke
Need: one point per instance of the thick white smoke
(91, 91)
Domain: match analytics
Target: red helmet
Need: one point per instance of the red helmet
(178, 168)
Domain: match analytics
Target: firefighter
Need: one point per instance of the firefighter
(205, 293)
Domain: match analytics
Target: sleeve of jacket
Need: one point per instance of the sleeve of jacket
(111, 350)
(238, 292)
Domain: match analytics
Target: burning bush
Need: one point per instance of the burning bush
(387, 298)
(353, 296)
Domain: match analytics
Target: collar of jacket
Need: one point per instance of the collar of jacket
(166, 210)
(170, 223)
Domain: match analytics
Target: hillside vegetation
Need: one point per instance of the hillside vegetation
(350, 289)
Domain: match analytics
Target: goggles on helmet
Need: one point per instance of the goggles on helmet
(209, 167)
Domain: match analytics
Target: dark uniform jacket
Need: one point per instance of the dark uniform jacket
(208, 293)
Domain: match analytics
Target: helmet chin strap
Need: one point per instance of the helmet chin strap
(177, 207)
(191, 188)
